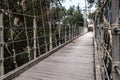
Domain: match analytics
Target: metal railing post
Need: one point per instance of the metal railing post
(1, 45)
(34, 35)
(115, 39)
(69, 32)
(72, 32)
(65, 35)
(50, 35)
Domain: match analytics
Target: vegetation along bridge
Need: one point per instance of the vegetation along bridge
(41, 40)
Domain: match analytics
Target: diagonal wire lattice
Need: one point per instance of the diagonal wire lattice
(32, 28)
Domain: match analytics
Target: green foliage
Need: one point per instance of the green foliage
(92, 15)
(18, 33)
(19, 37)
(90, 1)
(70, 11)
(74, 16)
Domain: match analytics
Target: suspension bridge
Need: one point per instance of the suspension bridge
(40, 41)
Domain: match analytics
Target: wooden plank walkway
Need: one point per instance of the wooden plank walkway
(72, 62)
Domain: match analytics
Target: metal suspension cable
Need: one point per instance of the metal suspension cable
(37, 36)
(29, 41)
(49, 17)
(56, 29)
(12, 38)
(38, 45)
(43, 25)
(59, 28)
(21, 14)
(54, 16)
(67, 19)
(26, 34)
(62, 7)
(50, 26)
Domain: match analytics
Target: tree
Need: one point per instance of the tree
(18, 25)
(92, 15)
(74, 16)
(90, 1)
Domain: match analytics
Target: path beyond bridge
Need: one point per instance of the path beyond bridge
(72, 62)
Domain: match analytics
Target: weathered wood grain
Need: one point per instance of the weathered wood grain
(72, 62)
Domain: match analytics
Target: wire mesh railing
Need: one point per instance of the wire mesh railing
(104, 48)
(104, 38)
(30, 28)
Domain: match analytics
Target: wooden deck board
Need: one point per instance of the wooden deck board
(72, 62)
